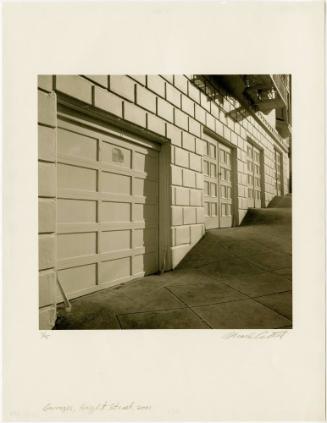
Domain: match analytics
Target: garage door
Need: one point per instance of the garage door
(254, 176)
(107, 208)
(279, 173)
(218, 177)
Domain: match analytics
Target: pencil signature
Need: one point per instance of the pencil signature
(262, 334)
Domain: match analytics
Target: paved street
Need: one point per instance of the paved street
(238, 278)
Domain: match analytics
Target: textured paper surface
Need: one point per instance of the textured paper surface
(154, 374)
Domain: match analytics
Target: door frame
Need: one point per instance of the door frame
(262, 164)
(90, 116)
(235, 210)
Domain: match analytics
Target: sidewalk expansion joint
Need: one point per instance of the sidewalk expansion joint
(152, 311)
(192, 311)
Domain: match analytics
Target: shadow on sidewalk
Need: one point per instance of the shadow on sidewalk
(235, 278)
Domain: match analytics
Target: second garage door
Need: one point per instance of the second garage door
(254, 176)
(218, 184)
(107, 208)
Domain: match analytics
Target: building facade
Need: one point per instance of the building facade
(134, 168)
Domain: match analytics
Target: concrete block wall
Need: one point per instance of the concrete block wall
(238, 133)
(47, 121)
(171, 106)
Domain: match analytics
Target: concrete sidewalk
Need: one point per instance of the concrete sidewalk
(237, 278)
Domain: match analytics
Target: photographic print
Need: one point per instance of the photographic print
(165, 201)
(164, 211)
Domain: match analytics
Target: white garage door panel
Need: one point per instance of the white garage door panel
(78, 178)
(115, 270)
(115, 184)
(115, 212)
(115, 241)
(76, 245)
(78, 279)
(107, 209)
(76, 211)
(77, 145)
